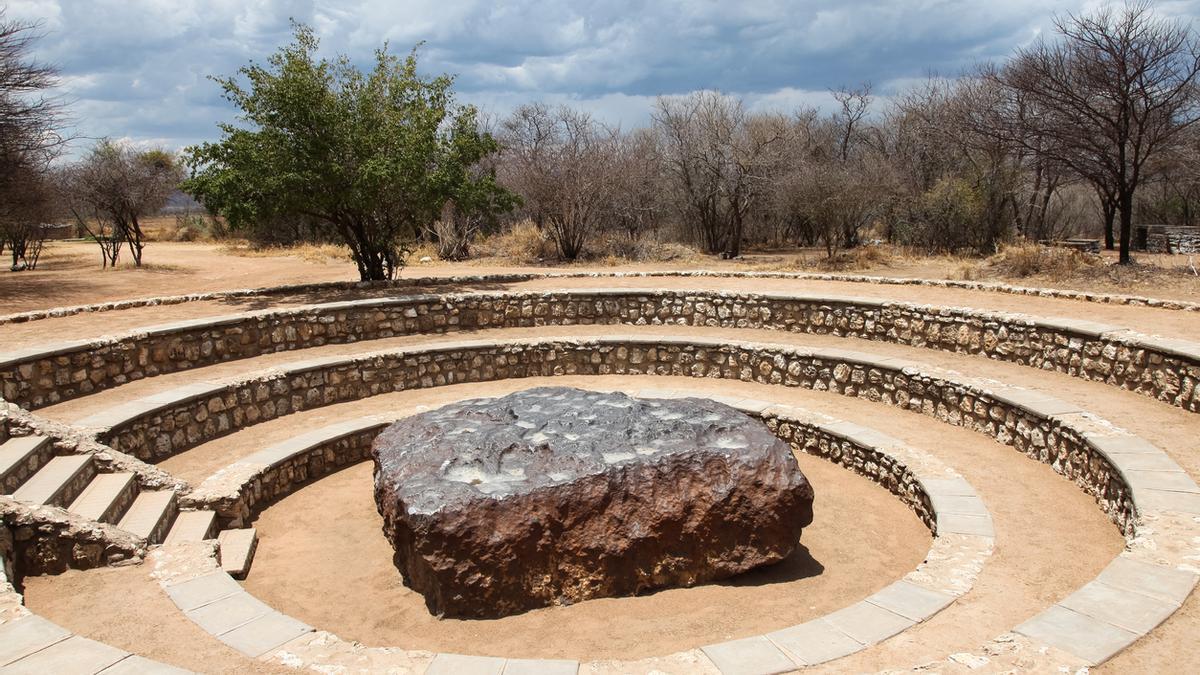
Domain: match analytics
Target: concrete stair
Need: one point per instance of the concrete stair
(31, 474)
(150, 515)
(59, 482)
(106, 497)
(20, 458)
(192, 526)
(237, 550)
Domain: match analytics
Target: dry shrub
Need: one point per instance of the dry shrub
(523, 243)
(1029, 260)
(968, 272)
(622, 249)
(425, 249)
(861, 258)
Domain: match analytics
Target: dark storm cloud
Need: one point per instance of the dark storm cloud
(139, 69)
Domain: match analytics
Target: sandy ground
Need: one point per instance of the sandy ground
(126, 608)
(69, 274)
(1185, 325)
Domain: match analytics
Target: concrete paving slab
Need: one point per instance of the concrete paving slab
(814, 642)
(27, 635)
(1165, 583)
(264, 633)
(137, 665)
(1158, 461)
(1035, 402)
(868, 623)
(191, 526)
(228, 613)
(461, 664)
(1132, 611)
(960, 504)
(541, 667)
(74, 656)
(957, 523)
(237, 550)
(1090, 639)
(1122, 445)
(202, 590)
(149, 511)
(1174, 481)
(1167, 500)
(117, 415)
(750, 656)
(911, 601)
(948, 487)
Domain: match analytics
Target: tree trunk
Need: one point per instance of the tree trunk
(1110, 217)
(733, 243)
(136, 243)
(1126, 208)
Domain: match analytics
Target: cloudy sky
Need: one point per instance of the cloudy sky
(137, 69)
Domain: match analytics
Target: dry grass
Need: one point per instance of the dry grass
(1021, 261)
(523, 244)
(855, 259)
(314, 253)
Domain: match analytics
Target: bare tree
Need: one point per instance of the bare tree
(718, 157)
(563, 164)
(113, 188)
(855, 102)
(1110, 94)
(638, 203)
(24, 215)
(30, 138)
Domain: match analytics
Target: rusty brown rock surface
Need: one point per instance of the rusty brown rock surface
(557, 495)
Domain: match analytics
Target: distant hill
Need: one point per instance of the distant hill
(180, 202)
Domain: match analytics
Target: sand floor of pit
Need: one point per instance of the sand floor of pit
(1052, 538)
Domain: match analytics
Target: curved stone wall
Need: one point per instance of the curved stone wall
(412, 282)
(1168, 370)
(171, 422)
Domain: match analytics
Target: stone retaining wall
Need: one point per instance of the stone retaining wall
(872, 463)
(268, 291)
(255, 482)
(49, 540)
(1168, 370)
(1029, 425)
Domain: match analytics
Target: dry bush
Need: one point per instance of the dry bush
(860, 258)
(968, 272)
(622, 249)
(523, 243)
(1028, 260)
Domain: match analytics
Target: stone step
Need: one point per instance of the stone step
(20, 458)
(106, 497)
(58, 482)
(150, 515)
(237, 550)
(192, 526)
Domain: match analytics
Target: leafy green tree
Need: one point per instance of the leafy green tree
(375, 156)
